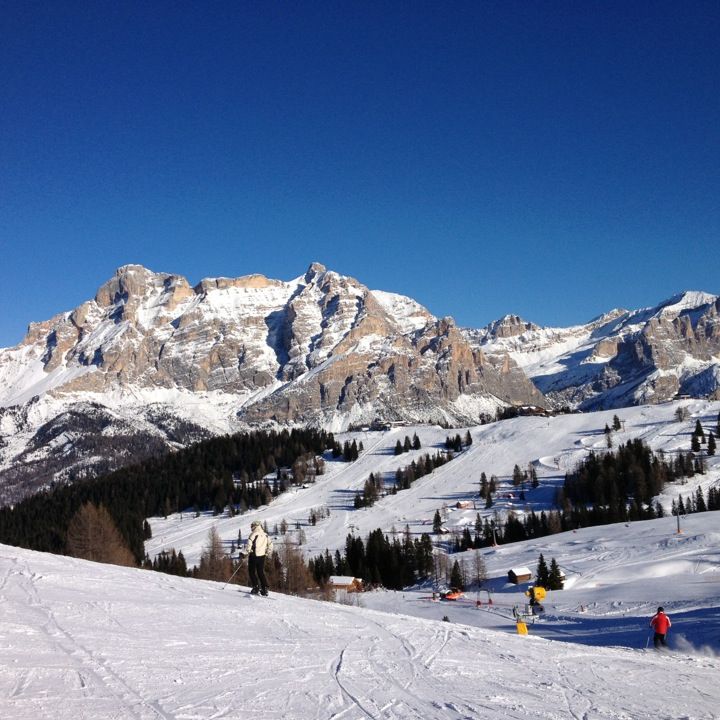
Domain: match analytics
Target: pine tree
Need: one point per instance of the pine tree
(93, 535)
(616, 423)
(481, 573)
(483, 485)
(711, 499)
(711, 445)
(517, 476)
(416, 442)
(214, 564)
(532, 472)
(437, 523)
(542, 574)
(555, 579)
(456, 578)
(699, 432)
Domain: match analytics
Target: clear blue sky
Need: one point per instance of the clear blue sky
(550, 159)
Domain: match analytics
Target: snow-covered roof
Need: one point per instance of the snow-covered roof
(520, 571)
(343, 580)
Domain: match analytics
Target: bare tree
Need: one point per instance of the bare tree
(481, 575)
(294, 576)
(93, 535)
(214, 563)
(440, 567)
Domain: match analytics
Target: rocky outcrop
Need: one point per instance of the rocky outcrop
(622, 358)
(322, 348)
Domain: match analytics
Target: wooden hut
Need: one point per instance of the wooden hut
(519, 575)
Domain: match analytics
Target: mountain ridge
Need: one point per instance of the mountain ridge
(150, 352)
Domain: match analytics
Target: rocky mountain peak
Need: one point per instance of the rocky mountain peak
(326, 338)
(316, 269)
(510, 326)
(129, 281)
(682, 302)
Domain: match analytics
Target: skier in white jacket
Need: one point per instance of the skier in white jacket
(257, 545)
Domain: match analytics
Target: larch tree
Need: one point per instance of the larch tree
(214, 563)
(93, 535)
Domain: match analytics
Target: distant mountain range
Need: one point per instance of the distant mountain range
(152, 362)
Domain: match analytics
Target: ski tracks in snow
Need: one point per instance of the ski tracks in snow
(93, 676)
(390, 671)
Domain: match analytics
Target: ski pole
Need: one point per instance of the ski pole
(233, 575)
(647, 642)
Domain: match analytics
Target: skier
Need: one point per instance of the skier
(660, 623)
(256, 548)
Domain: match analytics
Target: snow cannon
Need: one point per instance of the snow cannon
(536, 594)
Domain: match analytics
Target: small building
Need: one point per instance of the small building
(464, 504)
(519, 575)
(346, 583)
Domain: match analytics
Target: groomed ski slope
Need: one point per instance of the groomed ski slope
(86, 641)
(616, 577)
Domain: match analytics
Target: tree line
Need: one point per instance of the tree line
(404, 477)
(394, 564)
(211, 475)
(622, 484)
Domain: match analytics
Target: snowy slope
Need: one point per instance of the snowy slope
(616, 576)
(87, 641)
(553, 445)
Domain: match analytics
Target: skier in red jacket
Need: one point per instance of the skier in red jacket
(660, 623)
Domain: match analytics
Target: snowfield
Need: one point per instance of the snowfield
(81, 640)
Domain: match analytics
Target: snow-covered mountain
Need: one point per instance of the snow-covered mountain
(152, 361)
(553, 446)
(321, 348)
(621, 358)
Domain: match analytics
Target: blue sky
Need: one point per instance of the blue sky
(550, 159)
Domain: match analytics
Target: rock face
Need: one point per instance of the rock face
(622, 358)
(152, 362)
(317, 349)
